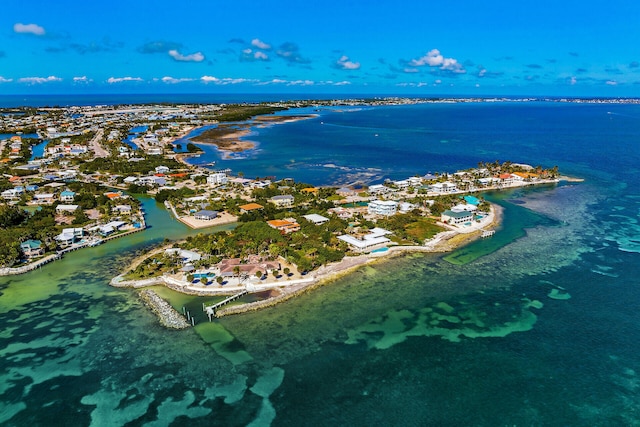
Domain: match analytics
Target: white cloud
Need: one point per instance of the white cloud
(247, 51)
(112, 80)
(261, 56)
(450, 64)
(344, 63)
(171, 80)
(82, 79)
(260, 44)
(342, 83)
(611, 83)
(39, 80)
(301, 83)
(433, 58)
(482, 72)
(194, 57)
(3, 80)
(209, 79)
(225, 80)
(28, 29)
(573, 80)
(411, 70)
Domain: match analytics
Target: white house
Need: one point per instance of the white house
(382, 207)
(378, 189)
(444, 187)
(316, 219)
(456, 218)
(403, 184)
(218, 178)
(12, 194)
(282, 201)
(375, 239)
(162, 169)
(66, 208)
(184, 255)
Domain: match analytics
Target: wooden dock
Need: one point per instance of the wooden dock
(211, 310)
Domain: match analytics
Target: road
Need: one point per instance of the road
(95, 144)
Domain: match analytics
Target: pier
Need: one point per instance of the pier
(211, 310)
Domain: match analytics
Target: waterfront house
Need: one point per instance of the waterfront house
(443, 187)
(32, 248)
(456, 218)
(375, 239)
(464, 208)
(185, 256)
(283, 201)
(382, 207)
(122, 209)
(205, 215)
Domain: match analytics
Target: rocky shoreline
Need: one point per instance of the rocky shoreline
(168, 316)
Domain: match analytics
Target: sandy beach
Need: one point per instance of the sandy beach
(229, 138)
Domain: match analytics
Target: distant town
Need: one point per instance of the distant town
(70, 176)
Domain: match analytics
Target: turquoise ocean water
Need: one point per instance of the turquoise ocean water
(535, 326)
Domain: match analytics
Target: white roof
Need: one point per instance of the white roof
(315, 218)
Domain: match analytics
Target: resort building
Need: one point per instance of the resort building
(374, 240)
(456, 218)
(383, 207)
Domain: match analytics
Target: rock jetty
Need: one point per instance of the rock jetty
(169, 317)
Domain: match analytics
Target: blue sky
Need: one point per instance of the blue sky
(464, 47)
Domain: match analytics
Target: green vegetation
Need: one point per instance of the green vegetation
(238, 113)
(18, 225)
(126, 167)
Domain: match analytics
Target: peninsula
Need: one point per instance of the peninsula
(69, 175)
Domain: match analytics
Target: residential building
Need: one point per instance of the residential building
(316, 219)
(456, 218)
(444, 187)
(217, 178)
(373, 240)
(382, 207)
(205, 215)
(32, 248)
(67, 196)
(250, 207)
(283, 201)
